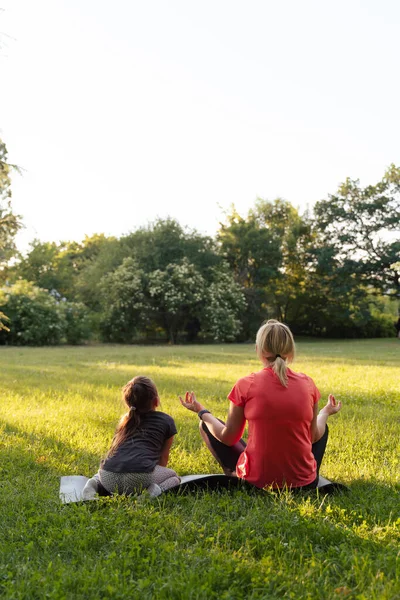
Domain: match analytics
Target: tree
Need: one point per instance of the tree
(177, 293)
(223, 307)
(362, 228)
(3, 322)
(165, 242)
(125, 307)
(292, 234)
(71, 269)
(98, 256)
(267, 252)
(250, 248)
(9, 222)
(41, 266)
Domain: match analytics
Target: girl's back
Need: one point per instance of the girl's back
(141, 452)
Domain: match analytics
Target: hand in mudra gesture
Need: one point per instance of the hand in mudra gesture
(332, 406)
(191, 403)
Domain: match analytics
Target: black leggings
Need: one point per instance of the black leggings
(229, 455)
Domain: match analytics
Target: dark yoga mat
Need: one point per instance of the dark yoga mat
(214, 482)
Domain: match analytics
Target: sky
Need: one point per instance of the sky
(127, 111)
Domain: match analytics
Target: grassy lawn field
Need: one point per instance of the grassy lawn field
(59, 408)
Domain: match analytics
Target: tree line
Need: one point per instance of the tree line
(332, 272)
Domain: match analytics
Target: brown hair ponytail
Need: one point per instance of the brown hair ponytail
(276, 339)
(140, 396)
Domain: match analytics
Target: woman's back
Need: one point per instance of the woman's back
(279, 420)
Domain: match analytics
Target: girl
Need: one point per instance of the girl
(287, 437)
(139, 452)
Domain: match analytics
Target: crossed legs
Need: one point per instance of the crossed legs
(227, 456)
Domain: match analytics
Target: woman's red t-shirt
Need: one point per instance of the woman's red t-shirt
(278, 451)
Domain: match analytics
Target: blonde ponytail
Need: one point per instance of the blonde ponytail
(275, 344)
(279, 367)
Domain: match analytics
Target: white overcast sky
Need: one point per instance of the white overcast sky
(124, 111)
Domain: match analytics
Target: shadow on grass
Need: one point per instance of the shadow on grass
(371, 501)
(28, 456)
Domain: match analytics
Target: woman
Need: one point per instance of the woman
(287, 436)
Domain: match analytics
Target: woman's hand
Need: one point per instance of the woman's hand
(320, 418)
(332, 407)
(191, 403)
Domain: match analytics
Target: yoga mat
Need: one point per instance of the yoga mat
(71, 486)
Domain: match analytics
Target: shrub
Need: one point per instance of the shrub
(34, 317)
(76, 322)
(38, 318)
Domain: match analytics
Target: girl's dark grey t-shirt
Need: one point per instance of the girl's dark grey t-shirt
(141, 452)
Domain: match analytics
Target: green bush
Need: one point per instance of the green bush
(361, 324)
(377, 326)
(37, 318)
(34, 317)
(76, 322)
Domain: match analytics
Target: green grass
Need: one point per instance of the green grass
(59, 407)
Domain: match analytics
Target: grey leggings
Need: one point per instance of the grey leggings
(132, 483)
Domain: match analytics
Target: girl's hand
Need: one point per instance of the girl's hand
(332, 407)
(191, 403)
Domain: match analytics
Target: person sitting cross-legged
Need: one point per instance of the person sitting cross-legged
(287, 436)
